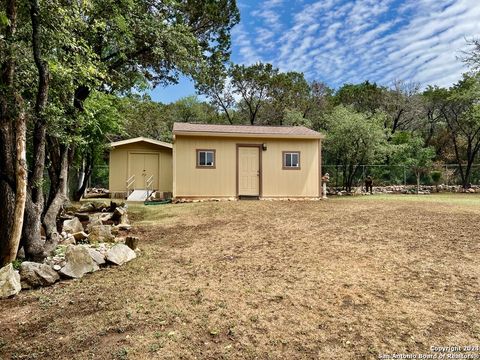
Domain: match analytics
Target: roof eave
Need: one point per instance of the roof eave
(140, 139)
(243, 135)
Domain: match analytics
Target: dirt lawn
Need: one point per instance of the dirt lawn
(339, 279)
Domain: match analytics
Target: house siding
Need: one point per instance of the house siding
(119, 165)
(221, 181)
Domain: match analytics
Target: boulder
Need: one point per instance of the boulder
(80, 236)
(9, 282)
(101, 206)
(131, 242)
(124, 226)
(88, 207)
(101, 233)
(96, 256)
(94, 222)
(103, 216)
(21, 253)
(72, 226)
(82, 216)
(78, 262)
(34, 274)
(119, 254)
(118, 213)
(68, 240)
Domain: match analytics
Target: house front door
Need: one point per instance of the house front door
(248, 171)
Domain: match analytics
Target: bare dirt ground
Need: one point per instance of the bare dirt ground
(337, 279)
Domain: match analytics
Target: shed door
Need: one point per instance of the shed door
(143, 165)
(249, 171)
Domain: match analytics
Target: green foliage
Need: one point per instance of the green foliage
(256, 94)
(295, 118)
(17, 264)
(144, 117)
(365, 97)
(353, 139)
(436, 177)
(409, 150)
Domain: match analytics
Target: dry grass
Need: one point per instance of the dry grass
(341, 279)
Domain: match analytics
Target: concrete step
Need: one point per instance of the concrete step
(138, 195)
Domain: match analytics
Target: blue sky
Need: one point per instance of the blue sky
(349, 41)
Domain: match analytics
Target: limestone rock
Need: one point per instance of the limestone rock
(119, 254)
(82, 216)
(96, 256)
(94, 222)
(124, 226)
(118, 213)
(78, 262)
(101, 233)
(72, 226)
(68, 240)
(34, 274)
(132, 242)
(9, 282)
(21, 253)
(101, 206)
(56, 267)
(79, 236)
(88, 207)
(103, 217)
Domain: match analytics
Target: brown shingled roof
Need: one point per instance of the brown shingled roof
(281, 131)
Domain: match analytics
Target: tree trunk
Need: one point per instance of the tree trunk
(59, 197)
(9, 115)
(87, 173)
(32, 240)
(418, 182)
(21, 183)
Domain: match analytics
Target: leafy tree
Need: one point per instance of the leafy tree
(252, 84)
(433, 127)
(461, 112)
(287, 92)
(354, 139)
(409, 151)
(366, 97)
(295, 118)
(144, 117)
(66, 51)
(215, 83)
(191, 109)
(472, 56)
(403, 106)
(13, 172)
(320, 102)
(99, 119)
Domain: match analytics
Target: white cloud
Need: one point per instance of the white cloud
(376, 40)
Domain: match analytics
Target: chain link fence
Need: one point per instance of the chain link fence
(387, 175)
(383, 175)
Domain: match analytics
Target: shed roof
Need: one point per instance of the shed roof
(246, 131)
(140, 139)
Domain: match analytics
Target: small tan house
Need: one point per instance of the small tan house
(235, 161)
(140, 164)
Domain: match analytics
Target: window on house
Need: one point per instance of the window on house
(291, 160)
(206, 158)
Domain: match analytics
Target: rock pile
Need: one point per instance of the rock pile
(407, 189)
(90, 239)
(96, 193)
